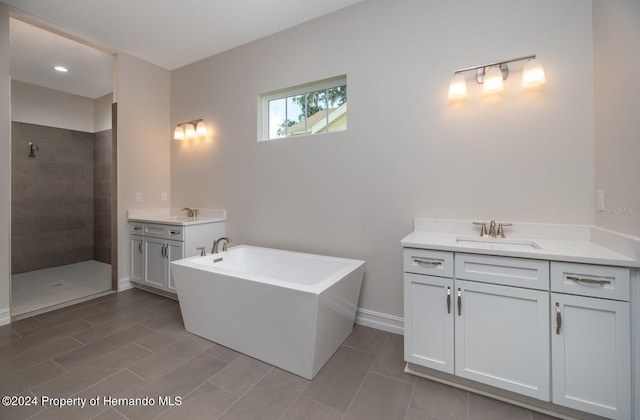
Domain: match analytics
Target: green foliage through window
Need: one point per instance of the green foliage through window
(299, 111)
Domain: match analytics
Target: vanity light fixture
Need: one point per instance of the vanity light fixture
(491, 76)
(190, 130)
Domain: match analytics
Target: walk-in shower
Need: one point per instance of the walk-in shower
(61, 215)
(62, 171)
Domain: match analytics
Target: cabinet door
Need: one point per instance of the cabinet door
(591, 353)
(428, 321)
(175, 251)
(137, 258)
(155, 265)
(502, 337)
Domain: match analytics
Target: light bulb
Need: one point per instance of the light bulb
(201, 129)
(458, 87)
(178, 133)
(190, 131)
(493, 80)
(533, 73)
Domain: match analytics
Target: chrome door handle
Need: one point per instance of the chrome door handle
(448, 300)
(588, 281)
(558, 318)
(459, 302)
(140, 246)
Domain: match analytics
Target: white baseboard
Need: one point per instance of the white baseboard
(5, 316)
(380, 321)
(124, 284)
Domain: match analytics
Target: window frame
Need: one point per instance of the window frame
(265, 98)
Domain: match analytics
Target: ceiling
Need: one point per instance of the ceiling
(35, 52)
(170, 33)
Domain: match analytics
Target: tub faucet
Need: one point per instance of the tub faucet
(216, 244)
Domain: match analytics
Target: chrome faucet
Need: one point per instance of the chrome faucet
(191, 212)
(492, 229)
(493, 233)
(216, 244)
(501, 229)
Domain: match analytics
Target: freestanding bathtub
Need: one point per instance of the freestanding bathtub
(289, 309)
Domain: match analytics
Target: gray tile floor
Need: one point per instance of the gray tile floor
(133, 345)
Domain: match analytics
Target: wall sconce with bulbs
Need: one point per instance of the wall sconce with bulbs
(492, 75)
(189, 130)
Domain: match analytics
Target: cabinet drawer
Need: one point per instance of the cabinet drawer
(591, 280)
(164, 231)
(136, 228)
(520, 272)
(425, 261)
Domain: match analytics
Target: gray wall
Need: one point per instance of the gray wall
(524, 155)
(51, 197)
(617, 67)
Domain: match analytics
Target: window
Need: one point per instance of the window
(313, 108)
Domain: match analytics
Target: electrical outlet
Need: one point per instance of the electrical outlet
(163, 196)
(600, 200)
(138, 197)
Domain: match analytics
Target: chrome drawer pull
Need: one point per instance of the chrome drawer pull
(175, 232)
(588, 281)
(137, 228)
(427, 261)
(558, 318)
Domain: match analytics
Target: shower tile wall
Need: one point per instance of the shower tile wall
(52, 218)
(102, 193)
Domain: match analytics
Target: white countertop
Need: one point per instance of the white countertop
(176, 216)
(572, 243)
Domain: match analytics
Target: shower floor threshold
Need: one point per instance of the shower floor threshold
(19, 316)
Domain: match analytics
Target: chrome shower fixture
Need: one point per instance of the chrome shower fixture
(32, 149)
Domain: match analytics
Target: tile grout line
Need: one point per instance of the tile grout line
(364, 378)
(356, 393)
(413, 390)
(245, 393)
(61, 367)
(135, 374)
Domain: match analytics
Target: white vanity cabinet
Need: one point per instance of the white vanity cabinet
(555, 331)
(155, 245)
(548, 319)
(428, 302)
(137, 256)
(590, 341)
(481, 323)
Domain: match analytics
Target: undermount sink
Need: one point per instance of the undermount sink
(497, 243)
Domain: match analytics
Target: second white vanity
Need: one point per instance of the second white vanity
(159, 236)
(545, 318)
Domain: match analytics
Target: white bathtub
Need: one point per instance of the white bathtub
(288, 309)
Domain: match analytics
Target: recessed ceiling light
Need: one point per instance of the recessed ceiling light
(61, 69)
